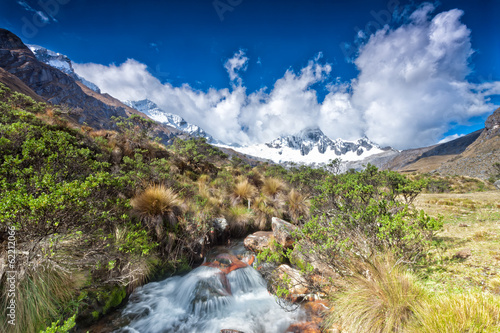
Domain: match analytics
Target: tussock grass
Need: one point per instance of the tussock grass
(298, 206)
(378, 299)
(272, 187)
(458, 313)
(156, 200)
(263, 213)
(156, 204)
(242, 191)
(39, 294)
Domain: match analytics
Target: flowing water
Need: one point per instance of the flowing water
(224, 294)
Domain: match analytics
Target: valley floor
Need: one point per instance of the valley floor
(466, 253)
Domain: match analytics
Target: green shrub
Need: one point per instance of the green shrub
(362, 213)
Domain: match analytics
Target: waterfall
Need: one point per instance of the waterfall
(223, 294)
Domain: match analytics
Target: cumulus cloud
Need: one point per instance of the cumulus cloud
(412, 85)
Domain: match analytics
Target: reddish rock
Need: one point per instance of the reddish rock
(258, 241)
(305, 327)
(282, 231)
(225, 262)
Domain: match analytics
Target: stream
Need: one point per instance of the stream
(225, 294)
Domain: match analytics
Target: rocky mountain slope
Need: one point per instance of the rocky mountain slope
(478, 158)
(471, 155)
(61, 62)
(84, 105)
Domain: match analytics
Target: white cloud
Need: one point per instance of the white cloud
(42, 15)
(412, 85)
(412, 82)
(235, 64)
(451, 138)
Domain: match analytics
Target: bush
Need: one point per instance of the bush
(363, 213)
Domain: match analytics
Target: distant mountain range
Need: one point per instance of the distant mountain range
(49, 76)
(312, 146)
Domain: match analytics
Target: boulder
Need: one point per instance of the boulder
(297, 284)
(282, 231)
(258, 241)
(226, 262)
(497, 184)
(220, 232)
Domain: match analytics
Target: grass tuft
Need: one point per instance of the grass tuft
(239, 219)
(39, 295)
(298, 206)
(156, 204)
(457, 313)
(272, 187)
(378, 299)
(243, 191)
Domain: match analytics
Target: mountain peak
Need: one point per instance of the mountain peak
(152, 110)
(10, 41)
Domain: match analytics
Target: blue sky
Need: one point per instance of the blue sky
(306, 53)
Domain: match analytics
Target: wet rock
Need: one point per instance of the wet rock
(463, 254)
(226, 262)
(220, 230)
(258, 241)
(282, 232)
(297, 284)
(304, 327)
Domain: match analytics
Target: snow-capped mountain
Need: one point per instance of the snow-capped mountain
(61, 62)
(152, 110)
(311, 146)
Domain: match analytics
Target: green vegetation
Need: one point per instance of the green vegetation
(106, 211)
(97, 213)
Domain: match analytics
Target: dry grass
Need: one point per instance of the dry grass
(243, 191)
(156, 204)
(458, 313)
(263, 213)
(272, 187)
(298, 206)
(378, 299)
(39, 293)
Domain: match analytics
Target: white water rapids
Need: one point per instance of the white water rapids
(207, 300)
